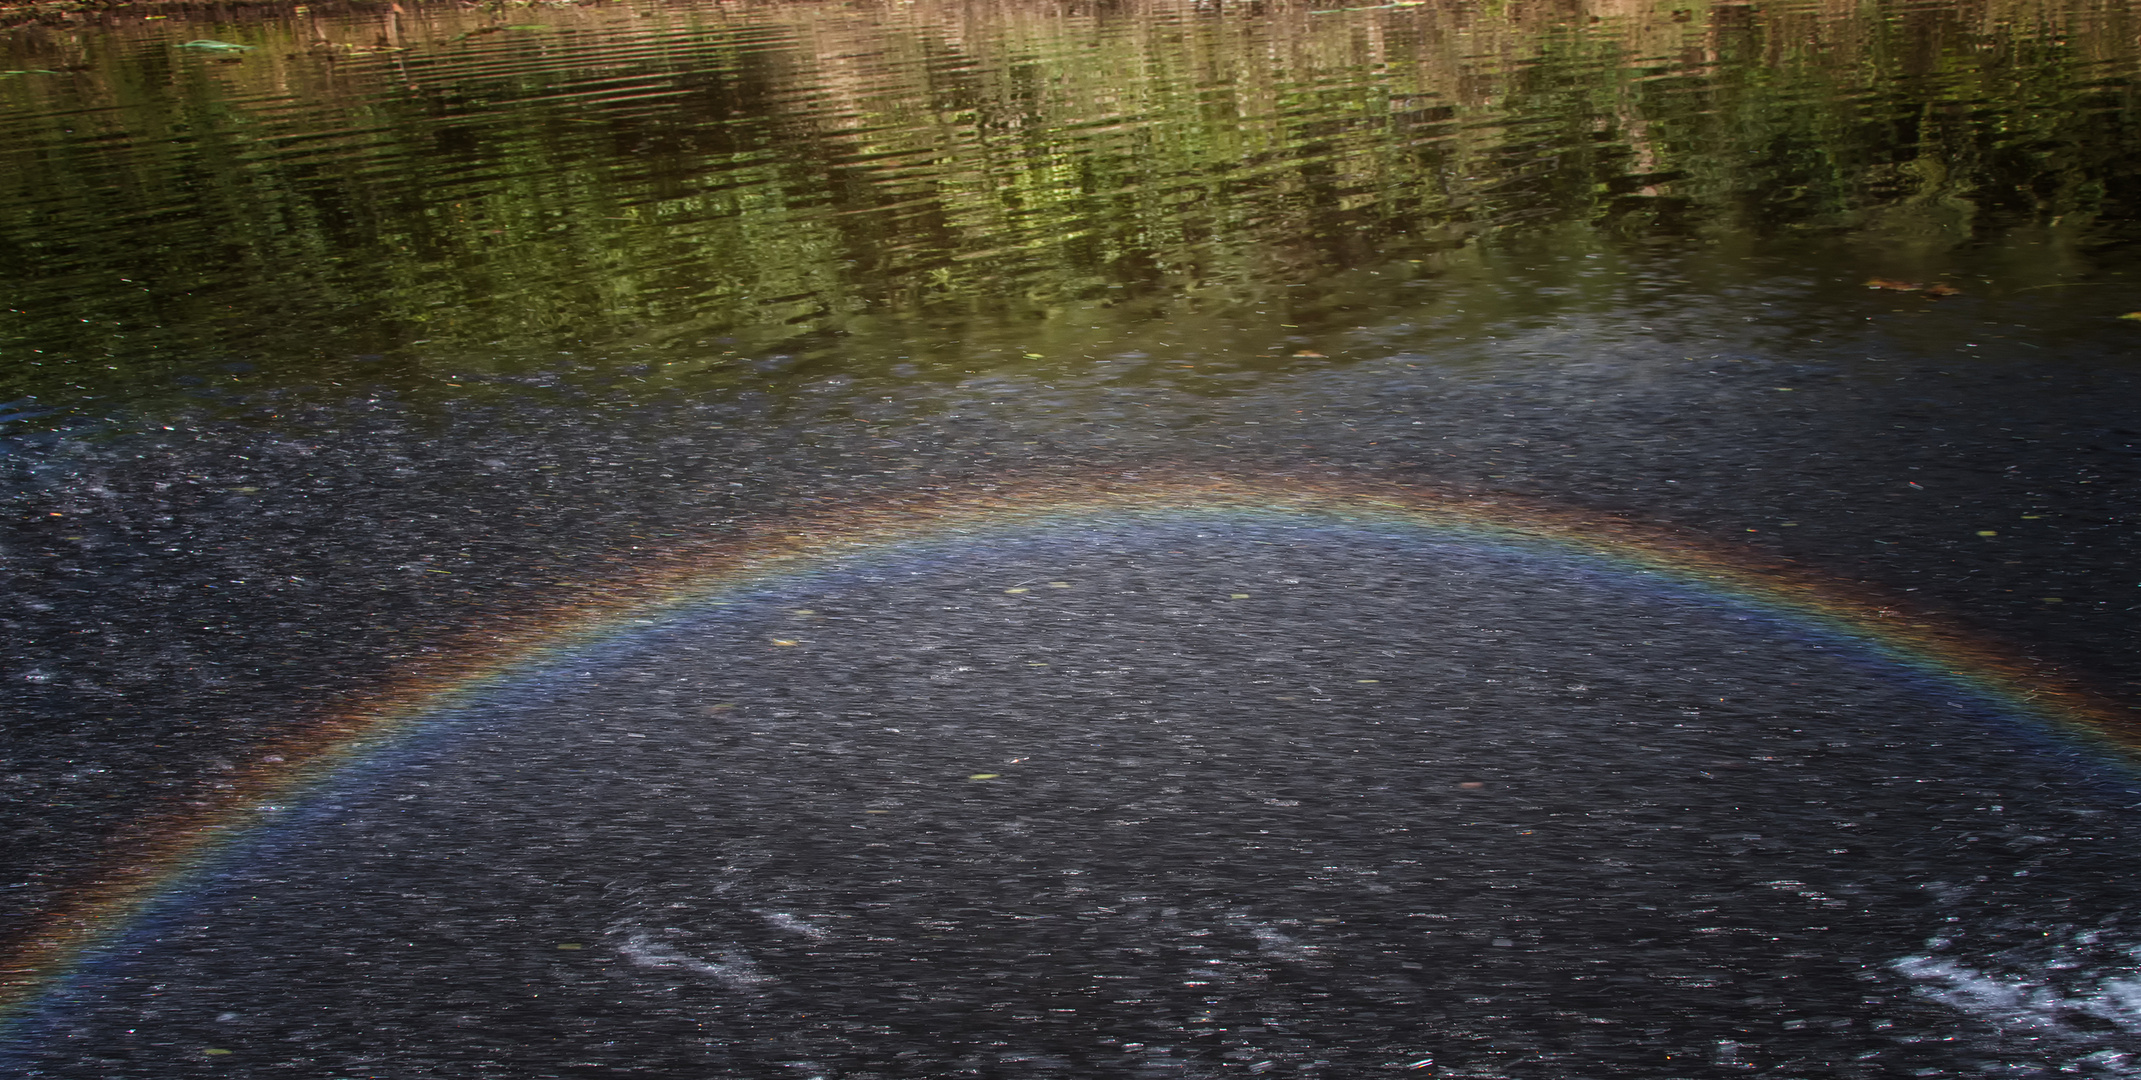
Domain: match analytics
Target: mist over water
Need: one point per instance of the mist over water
(336, 338)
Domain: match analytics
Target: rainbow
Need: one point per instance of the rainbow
(162, 857)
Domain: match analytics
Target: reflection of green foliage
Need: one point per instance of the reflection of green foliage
(749, 180)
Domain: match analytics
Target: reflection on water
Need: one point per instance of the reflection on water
(348, 348)
(695, 187)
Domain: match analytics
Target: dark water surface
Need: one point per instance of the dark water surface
(338, 337)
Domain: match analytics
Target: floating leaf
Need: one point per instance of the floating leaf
(785, 641)
(1892, 285)
(984, 776)
(570, 946)
(2134, 315)
(1019, 590)
(1988, 532)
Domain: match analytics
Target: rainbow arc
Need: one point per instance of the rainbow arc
(164, 856)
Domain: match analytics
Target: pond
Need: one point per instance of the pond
(1024, 539)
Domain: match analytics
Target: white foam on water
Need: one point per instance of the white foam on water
(733, 969)
(1274, 943)
(2091, 1014)
(793, 925)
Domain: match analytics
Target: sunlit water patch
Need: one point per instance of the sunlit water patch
(1125, 794)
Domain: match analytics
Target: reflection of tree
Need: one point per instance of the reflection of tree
(743, 175)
